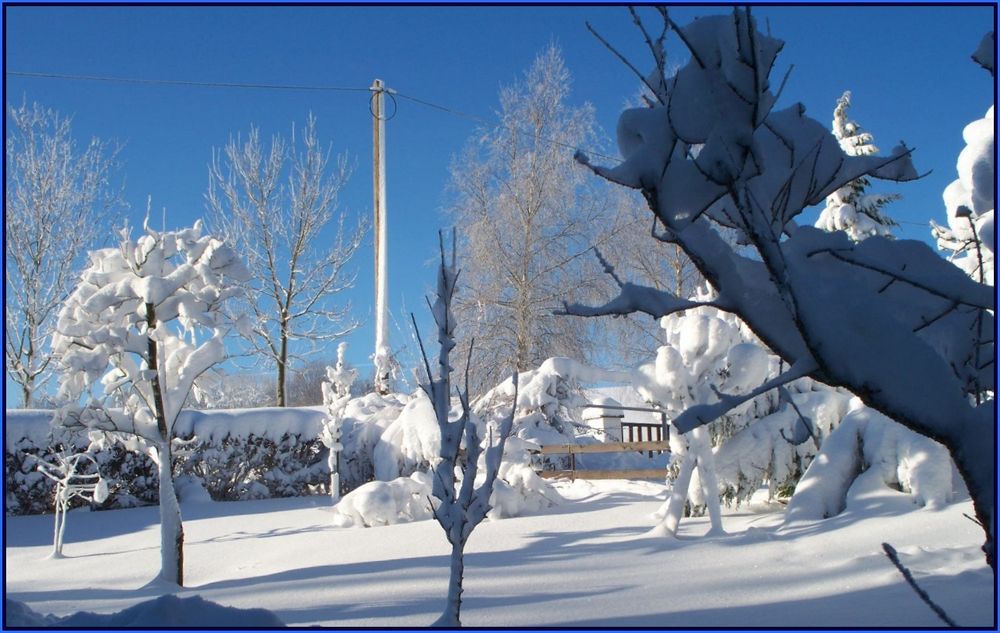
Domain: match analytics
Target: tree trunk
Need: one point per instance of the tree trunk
(453, 606)
(171, 527)
(27, 393)
(673, 508)
(283, 366)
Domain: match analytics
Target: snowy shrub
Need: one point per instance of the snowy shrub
(235, 468)
(411, 442)
(868, 442)
(365, 419)
(518, 489)
(776, 449)
(375, 503)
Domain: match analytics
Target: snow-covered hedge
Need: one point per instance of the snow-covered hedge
(232, 454)
(131, 476)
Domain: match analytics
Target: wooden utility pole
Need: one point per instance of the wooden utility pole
(382, 356)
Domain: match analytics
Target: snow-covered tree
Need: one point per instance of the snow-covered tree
(851, 208)
(336, 396)
(969, 201)
(888, 320)
(529, 217)
(462, 503)
(296, 241)
(704, 355)
(144, 322)
(58, 202)
(970, 236)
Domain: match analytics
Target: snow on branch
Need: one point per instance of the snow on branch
(636, 298)
(958, 287)
(876, 318)
(701, 414)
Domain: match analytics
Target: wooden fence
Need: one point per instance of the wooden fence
(605, 447)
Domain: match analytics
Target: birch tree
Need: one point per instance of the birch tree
(297, 241)
(529, 216)
(59, 200)
(888, 320)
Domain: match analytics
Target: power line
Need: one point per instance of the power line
(184, 82)
(458, 113)
(260, 86)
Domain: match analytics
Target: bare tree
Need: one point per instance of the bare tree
(58, 201)
(529, 216)
(888, 320)
(277, 226)
(462, 504)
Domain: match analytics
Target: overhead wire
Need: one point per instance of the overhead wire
(265, 86)
(184, 82)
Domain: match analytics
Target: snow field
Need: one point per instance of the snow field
(586, 562)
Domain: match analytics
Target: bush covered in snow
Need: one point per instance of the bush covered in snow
(375, 503)
(870, 449)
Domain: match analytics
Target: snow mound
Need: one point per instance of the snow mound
(165, 611)
(401, 500)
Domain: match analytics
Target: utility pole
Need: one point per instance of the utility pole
(384, 363)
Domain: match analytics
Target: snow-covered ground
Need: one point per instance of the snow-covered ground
(586, 562)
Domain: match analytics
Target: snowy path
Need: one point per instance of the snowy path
(585, 563)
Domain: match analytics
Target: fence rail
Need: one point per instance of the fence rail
(604, 447)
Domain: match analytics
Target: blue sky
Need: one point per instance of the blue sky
(908, 68)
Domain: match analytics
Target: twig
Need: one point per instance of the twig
(890, 552)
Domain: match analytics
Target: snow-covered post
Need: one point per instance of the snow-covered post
(143, 323)
(336, 395)
(70, 484)
(888, 320)
(463, 505)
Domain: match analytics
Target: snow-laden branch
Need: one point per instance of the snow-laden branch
(636, 298)
(875, 319)
(702, 414)
(955, 287)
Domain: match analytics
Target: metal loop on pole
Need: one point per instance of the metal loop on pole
(371, 103)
